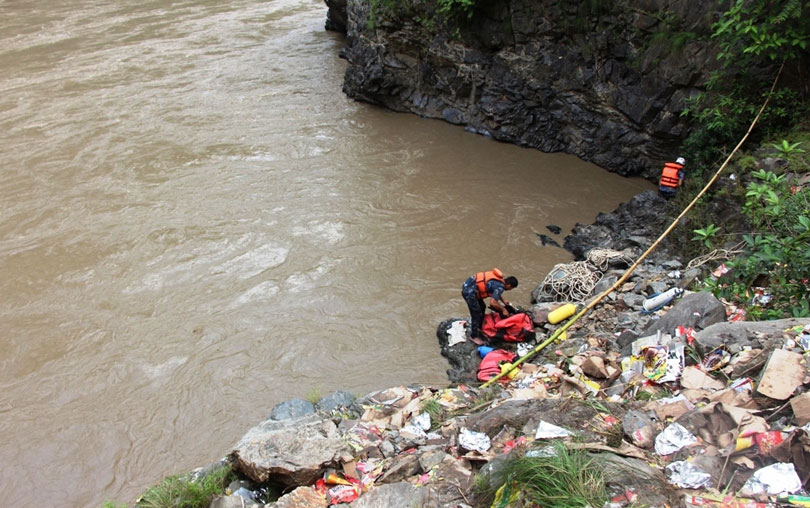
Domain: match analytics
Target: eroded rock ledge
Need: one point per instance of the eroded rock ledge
(608, 87)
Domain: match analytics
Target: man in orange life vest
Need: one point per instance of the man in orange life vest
(671, 178)
(483, 285)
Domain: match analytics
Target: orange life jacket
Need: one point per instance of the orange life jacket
(481, 279)
(669, 175)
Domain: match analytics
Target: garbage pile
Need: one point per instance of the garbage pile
(680, 404)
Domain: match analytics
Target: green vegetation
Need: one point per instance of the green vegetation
(565, 479)
(758, 40)
(436, 412)
(777, 253)
(314, 394)
(181, 492)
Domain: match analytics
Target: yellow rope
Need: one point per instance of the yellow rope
(655, 244)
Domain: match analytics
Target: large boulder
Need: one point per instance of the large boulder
(737, 335)
(289, 452)
(696, 310)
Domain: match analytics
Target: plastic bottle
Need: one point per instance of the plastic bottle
(507, 366)
(656, 301)
(560, 313)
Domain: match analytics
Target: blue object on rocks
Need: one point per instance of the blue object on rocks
(484, 350)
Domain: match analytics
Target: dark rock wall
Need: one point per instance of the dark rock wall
(606, 86)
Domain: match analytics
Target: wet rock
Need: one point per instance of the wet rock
(554, 229)
(638, 221)
(292, 408)
(336, 401)
(546, 240)
(463, 357)
(697, 310)
(291, 452)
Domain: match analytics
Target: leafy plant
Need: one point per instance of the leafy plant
(181, 492)
(706, 235)
(786, 149)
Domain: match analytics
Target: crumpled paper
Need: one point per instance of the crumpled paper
(672, 439)
(772, 480)
(474, 441)
(547, 430)
(687, 476)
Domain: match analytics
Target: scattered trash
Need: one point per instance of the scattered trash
(659, 300)
(687, 476)
(547, 430)
(672, 439)
(457, 333)
(474, 441)
(779, 478)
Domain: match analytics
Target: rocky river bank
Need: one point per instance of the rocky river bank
(678, 404)
(682, 405)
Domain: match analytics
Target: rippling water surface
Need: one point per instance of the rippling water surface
(196, 224)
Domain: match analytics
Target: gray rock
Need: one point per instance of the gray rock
(697, 310)
(639, 428)
(293, 408)
(658, 286)
(232, 501)
(335, 401)
(632, 300)
(291, 452)
(394, 494)
(430, 459)
(672, 264)
(743, 333)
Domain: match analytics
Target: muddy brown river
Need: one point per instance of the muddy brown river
(196, 224)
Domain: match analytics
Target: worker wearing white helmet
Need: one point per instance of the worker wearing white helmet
(671, 178)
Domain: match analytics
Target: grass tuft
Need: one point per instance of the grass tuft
(180, 492)
(569, 479)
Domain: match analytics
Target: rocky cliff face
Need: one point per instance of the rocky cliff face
(606, 83)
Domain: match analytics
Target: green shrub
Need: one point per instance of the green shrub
(776, 255)
(181, 492)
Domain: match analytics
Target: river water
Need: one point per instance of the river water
(197, 224)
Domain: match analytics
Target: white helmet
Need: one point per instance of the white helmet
(680, 160)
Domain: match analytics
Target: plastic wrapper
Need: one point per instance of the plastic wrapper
(779, 478)
(687, 476)
(714, 501)
(672, 439)
(716, 359)
(457, 333)
(547, 430)
(474, 441)
(422, 421)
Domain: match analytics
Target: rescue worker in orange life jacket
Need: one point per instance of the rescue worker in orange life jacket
(671, 178)
(484, 285)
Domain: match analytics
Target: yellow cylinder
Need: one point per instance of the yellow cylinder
(507, 366)
(560, 313)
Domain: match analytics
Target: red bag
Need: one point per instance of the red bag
(516, 328)
(490, 365)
